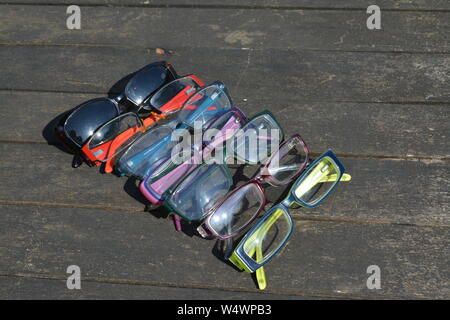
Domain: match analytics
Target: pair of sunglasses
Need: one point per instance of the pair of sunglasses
(119, 133)
(198, 192)
(76, 127)
(272, 232)
(154, 147)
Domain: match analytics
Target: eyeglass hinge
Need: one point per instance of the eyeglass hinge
(202, 232)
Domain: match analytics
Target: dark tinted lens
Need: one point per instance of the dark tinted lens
(146, 82)
(89, 117)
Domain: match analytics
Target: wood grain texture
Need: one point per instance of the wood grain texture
(323, 4)
(349, 128)
(228, 28)
(380, 99)
(321, 258)
(323, 76)
(381, 190)
(25, 287)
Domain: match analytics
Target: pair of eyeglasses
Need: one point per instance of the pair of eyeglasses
(75, 128)
(169, 172)
(245, 203)
(272, 232)
(156, 145)
(119, 133)
(201, 189)
(160, 178)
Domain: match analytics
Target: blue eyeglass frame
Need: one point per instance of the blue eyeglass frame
(250, 264)
(160, 145)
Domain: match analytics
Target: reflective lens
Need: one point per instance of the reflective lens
(202, 189)
(83, 122)
(175, 92)
(237, 210)
(258, 139)
(147, 153)
(115, 136)
(287, 162)
(318, 181)
(204, 105)
(147, 81)
(269, 236)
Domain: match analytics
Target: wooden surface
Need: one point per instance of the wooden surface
(380, 99)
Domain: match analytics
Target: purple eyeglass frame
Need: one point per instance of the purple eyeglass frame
(205, 229)
(155, 192)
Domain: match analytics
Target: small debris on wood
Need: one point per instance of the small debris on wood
(160, 51)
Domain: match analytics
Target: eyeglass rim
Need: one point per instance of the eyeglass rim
(264, 171)
(159, 197)
(256, 116)
(220, 86)
(164, 64)
(168, 203)
(191, 76)
(327, 154)
(207, 221)
(78, 108)
(239, 251)
(123, 115)
(258, 181)
(138, 140)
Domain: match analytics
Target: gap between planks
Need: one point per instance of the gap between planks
(197, 286)
(427, 160)
(296, 216)
(171, 52)
(406, 102)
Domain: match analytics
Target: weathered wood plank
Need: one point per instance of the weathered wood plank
(348, 4)
(297, 75)
(224, 28)
(21, 288)
(370, 129)
(323, 258)
(381, 190)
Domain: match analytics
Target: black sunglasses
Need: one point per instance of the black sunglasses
(78, 125)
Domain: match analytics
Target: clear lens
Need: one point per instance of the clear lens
(222, 128)
(318, 181)
(287, 162)
(83, 122)
(145, 82)
(201, 190)
(148, 152)
(176, 91)
(258, 139)
(115, 136)
(237, 210)
(269, 237)
(167, 174)
(204, 105)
